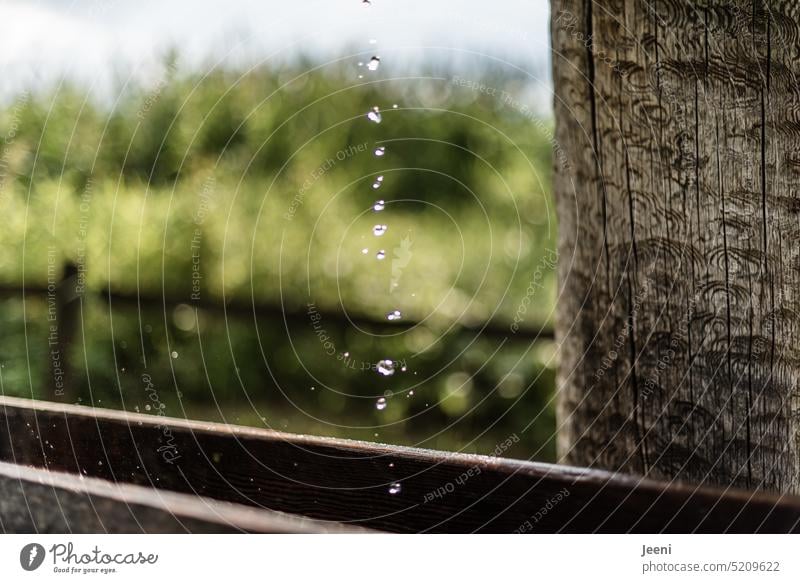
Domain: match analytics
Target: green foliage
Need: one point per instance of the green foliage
(261, 179)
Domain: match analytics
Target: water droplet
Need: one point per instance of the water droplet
(379, 205)
(375, 115)
(147, 407)
(395, 315)
(381, 255)
(174, 354)
(365, 251)
(395, 106)
(395, 488)
(360, 64)
(411, 393)
(374, 63)
(380, 151)
(385, 367)
(404, 369)
(346, 354)
(361, 76)
(380, 404)
(378, 183)
(379, 230)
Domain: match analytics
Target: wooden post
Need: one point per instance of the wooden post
(679, 317)
(62, 333)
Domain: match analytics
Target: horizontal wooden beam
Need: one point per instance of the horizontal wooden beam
(40, 501)
(356, 483)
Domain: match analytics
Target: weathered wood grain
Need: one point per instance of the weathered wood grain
(679, 309)
(349, 481)
(40, 501)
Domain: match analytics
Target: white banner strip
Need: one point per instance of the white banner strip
(389, 558)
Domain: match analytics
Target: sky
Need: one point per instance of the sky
(43, 41)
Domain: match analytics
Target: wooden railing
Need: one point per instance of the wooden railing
(67, 468)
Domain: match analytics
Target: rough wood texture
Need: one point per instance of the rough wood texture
(348, 481)
(42, 502)
(679, 228)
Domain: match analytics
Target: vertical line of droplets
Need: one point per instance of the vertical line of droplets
(385, 367)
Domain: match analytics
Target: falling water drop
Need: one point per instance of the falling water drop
(385, 367)
(395, 488)
(380, 405)
(394, 315)
(378, 182)
(395, 106)
(380, 151)
(381, 255)
(375, 115)
(374, 63)
(365, 251)
(174, 354)
(379, 205)
(379, 230)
